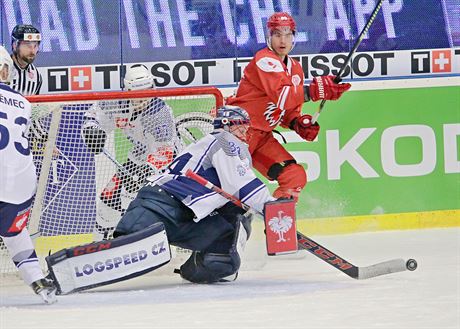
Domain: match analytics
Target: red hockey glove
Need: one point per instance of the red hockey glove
(303, 126)
(326, 88)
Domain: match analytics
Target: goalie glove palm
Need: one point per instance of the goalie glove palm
(304, 128)
(325, 87)
(94, 139)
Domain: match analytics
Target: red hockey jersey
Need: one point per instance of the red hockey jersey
(270, 91)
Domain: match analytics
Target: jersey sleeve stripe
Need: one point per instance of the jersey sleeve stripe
(249, 196)
(250, 189)
(283, 97)
(204, 196)
(200, 161)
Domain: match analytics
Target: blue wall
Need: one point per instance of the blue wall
(82, 32)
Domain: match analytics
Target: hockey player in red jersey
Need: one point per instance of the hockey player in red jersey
(272, 92)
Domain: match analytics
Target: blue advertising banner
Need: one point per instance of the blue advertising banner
(82, 32)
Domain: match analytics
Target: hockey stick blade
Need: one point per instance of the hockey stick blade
(304, 242)
(355, 272)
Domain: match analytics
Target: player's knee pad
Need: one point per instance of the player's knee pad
(292, 179)
(210, 267)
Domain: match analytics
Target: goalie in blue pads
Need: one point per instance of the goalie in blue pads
(191, 215)
(195, 217)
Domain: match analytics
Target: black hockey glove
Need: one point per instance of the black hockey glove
(133, 176)
(94, 139)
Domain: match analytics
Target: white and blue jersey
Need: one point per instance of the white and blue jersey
(222, 159)
(18, 178)
(148, 124)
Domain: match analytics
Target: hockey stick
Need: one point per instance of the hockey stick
(338, 78)
(304, 242)
(119, 165)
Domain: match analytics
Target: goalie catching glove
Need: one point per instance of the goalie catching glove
(325, 87)
(305, 128)
(94, 139)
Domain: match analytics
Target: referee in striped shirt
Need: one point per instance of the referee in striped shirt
(25, 41)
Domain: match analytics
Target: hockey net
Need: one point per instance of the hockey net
(87, 178)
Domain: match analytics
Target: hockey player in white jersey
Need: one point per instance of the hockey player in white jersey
(18, 183)
(195, 217)
(149, 126)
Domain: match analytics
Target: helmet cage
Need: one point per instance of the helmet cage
(228, 116)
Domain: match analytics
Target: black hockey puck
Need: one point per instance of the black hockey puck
(411, 264)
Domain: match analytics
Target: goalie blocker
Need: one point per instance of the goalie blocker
(280, 227)
(101, 263)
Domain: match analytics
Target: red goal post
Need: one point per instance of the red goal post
(72, 180)
(167, 92)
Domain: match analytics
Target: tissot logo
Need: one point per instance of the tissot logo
(58, 79)
(420, 62)
(435, 61)
(81, 78)
(441, 61)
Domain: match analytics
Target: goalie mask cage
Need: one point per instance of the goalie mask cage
(144, 130)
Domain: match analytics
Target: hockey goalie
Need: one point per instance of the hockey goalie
(172, 208)
(150, 135)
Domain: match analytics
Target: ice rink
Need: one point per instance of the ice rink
(286, 293)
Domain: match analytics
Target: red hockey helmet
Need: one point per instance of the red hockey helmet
(281, 19)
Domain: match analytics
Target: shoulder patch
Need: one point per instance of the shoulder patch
(268, 64)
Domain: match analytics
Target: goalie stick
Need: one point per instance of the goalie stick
(304, 242)
(338, 78)
(122, 169)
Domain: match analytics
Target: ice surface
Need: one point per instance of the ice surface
(287, 293)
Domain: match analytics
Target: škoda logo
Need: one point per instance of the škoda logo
(280, 225)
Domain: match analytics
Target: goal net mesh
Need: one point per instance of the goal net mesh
(93, 152)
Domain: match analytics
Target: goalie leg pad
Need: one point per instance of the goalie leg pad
(101, 263)
(211, 266)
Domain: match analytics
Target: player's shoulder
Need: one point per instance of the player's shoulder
(266, 53)
(228, 143)
(7, 88)
(13, 98)
(267, 61)
(157, 103)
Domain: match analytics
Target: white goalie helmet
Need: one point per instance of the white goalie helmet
(5, 61)
(138, 77)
